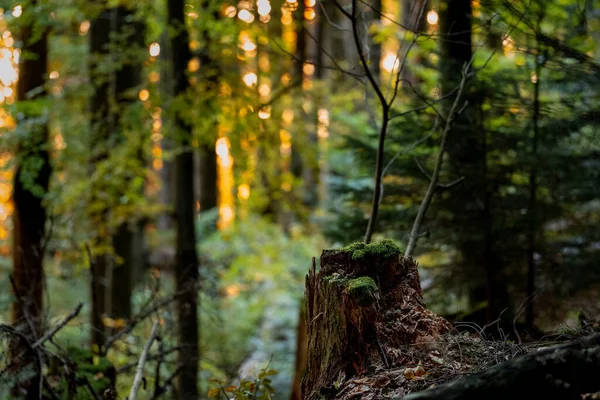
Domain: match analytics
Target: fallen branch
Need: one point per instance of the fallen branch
(139, 374)
(562, 372)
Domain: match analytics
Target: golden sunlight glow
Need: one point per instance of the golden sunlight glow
(310, 3)
(509, 46)
(285, 146)
(154, 76)
(9, 58)
(246, 16)
(390, 62)
(144, 95)
(286, 19)
(264, 113)
(222, 148)
(310, 14)
(230, 11)
(287, 116)
(264, 89)
(154, 49)
(286, 79)
(84, 27)
(323, 125)
(250, 79)
(244, 191)
(308, 69)
(264, 64)
(225, 180)
(432, 17)
(194, 64)
(248, 44)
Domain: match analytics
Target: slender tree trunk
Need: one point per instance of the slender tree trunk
(471, 207)
(531, 209)
(29, 188)
(128, 239)
(99, 36)
(208, 157)
(414, 18)
(186, 265)
(167, 173)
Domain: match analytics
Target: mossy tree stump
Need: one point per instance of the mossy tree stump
(363, 304)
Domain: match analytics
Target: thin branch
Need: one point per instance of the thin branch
(137, 319)
(58, 327)
(451, 184)
(137, 381)
(433, 184)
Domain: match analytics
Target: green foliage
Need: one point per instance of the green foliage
(259, 388)
(86, 367)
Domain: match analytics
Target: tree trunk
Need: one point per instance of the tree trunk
(128, 239)
(209, 189)
(30, 186)
(467, 155)
(186, 263)
(300, 364)
(99, 36)
(364, 302)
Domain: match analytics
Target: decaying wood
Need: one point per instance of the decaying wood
(562, 372)
(362, 305)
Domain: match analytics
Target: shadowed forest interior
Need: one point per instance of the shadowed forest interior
(171, 170)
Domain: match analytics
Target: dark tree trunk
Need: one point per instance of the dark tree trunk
(99, 36)
(30, 186)
(209, 189)
(128, 239)
(531, 208)
(208, 176)
(471, 206)
(29, 217)
(186, 264)
(374, 46)
(414, 18)
(364, 302)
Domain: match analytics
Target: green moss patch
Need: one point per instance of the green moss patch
(385, 248)
(362, 289)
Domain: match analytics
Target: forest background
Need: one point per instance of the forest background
(183, 161)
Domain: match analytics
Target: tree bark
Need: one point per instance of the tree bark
(363, 303)
(467, 155)
(30, 185)
(186, 259)
(300, 364)
(128, 239)
(209, 191)
(561, 373)
(99, 36)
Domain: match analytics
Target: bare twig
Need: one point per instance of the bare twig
(137, 381)
(137, 319)
(58, 327)
(433, 184)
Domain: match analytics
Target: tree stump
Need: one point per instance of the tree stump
(363, 304)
